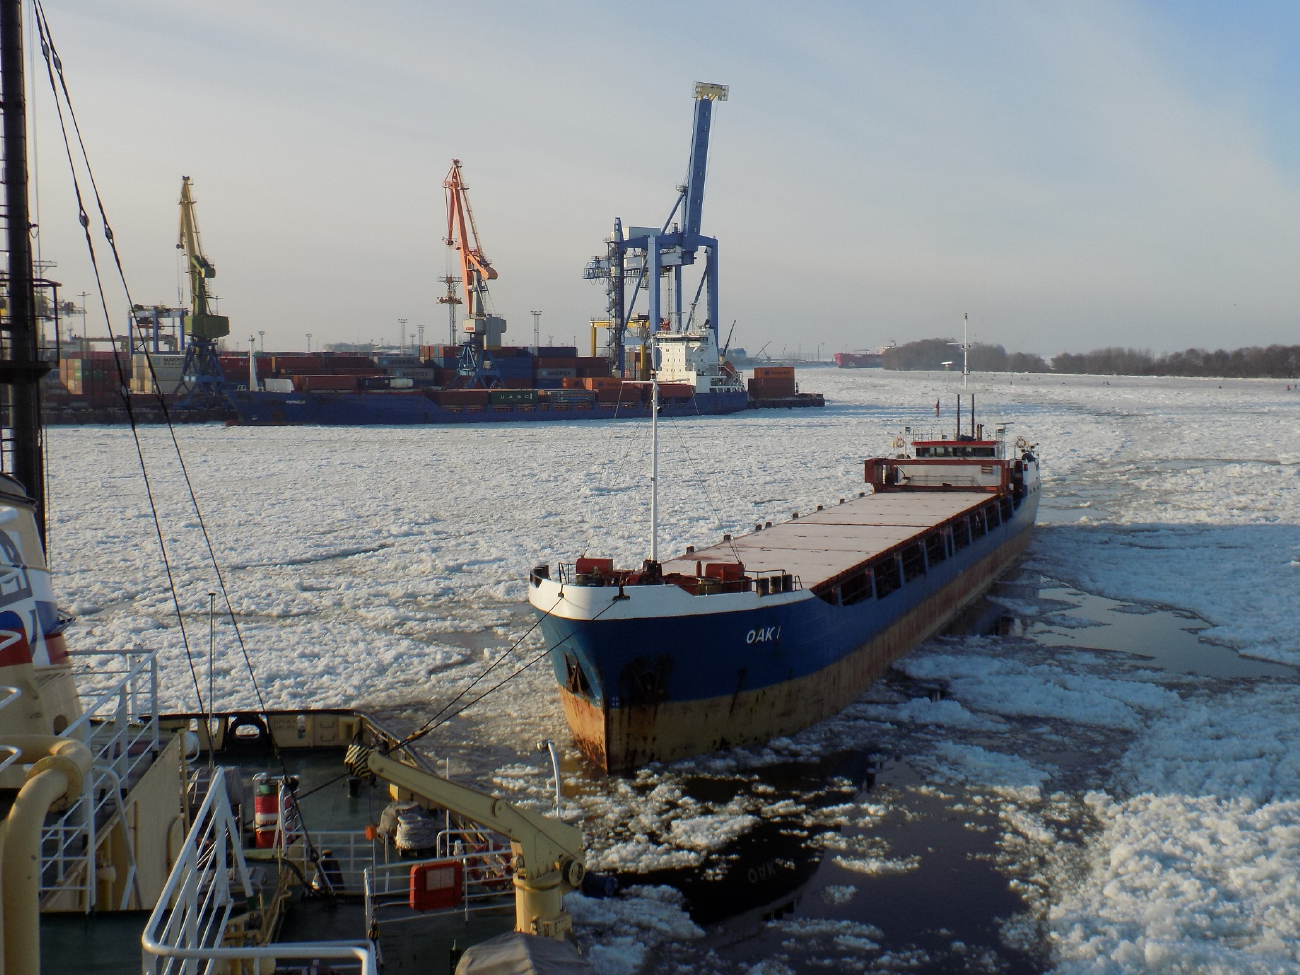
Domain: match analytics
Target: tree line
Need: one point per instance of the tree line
(1254, 362)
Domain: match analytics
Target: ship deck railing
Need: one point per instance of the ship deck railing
(487, 878)
(119, 724)
(187, 930)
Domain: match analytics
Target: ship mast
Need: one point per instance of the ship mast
(654, 452)
(20, 365)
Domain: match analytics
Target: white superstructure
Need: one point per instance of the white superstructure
(692, 357)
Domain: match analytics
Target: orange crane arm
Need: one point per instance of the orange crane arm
(462, 234)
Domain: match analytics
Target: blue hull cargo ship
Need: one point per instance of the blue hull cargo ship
(403, 407)
(769, 632)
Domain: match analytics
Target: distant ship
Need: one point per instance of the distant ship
(771, 631)
(863, 360)
(467, 385)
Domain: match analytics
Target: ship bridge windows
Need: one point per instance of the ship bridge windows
(957, 450)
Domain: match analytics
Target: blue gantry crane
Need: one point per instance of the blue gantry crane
(647, 254)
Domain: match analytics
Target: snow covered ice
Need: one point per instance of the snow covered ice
(1146, 820)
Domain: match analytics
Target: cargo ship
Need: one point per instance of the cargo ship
(451, 384)
(862, 360)
(768, 632)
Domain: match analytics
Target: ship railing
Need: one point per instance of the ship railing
(187, 932)
(486, 879)
(343, 856)
(119, 724)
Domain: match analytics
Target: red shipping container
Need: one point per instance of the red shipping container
(586, 566)
(438, 885)
(676, 391)
(772, 372)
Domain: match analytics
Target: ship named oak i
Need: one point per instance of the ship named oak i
(769, 632)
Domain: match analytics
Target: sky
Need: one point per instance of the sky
(1071, 175)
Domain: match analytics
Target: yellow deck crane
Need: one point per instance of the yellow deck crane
(548, 854)
(201, 376)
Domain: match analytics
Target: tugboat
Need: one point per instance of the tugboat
(768, 632)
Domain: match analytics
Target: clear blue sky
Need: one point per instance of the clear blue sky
(1073, 175)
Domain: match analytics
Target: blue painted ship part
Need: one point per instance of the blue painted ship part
(769, 632)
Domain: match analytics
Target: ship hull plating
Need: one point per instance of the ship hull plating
(415, 408)
(638, 690)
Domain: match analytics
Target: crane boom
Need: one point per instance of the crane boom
(548, 854)
(462, 234)
(200, 323)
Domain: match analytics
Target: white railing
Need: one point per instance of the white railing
(119, 724)
(486, 877)
(186, 931)
(344, 857)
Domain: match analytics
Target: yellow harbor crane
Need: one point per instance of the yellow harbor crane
(201, 373)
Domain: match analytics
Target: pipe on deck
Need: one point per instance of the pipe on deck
(59, 766)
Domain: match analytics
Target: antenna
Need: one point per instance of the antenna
(965, 352)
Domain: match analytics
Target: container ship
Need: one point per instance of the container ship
(464, 384)
(771, 631)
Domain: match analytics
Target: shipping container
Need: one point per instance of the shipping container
(567, 395)
(772, 372)
(512, 396)
(556, 362)
(557, 373)
(304, 382)
(557, 352)
(769, 388)
(461, 397)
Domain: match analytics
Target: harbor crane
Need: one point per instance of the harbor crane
(647, 253)
(201, 376)
(482, 329)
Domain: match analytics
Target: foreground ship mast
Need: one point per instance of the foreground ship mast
(21, 368)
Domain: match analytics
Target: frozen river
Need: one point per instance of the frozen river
(1099, 775)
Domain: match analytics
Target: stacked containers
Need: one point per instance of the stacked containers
(554, 364)
(772, 382)
(92, 376)
(166, 366)
(515, 366)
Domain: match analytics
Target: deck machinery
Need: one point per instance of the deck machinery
(645, 254)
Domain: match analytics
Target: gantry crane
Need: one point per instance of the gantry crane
(482, 329)
(646, 253)
(201, 376)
